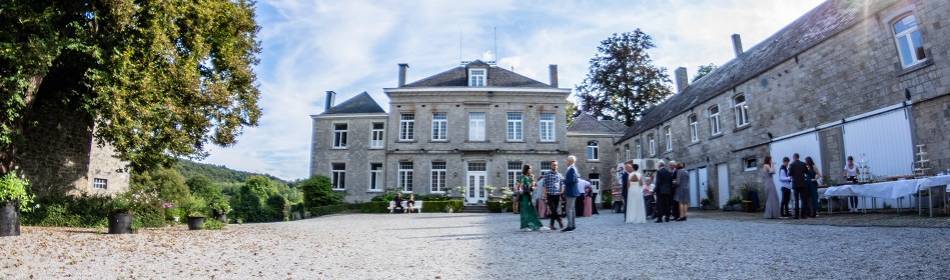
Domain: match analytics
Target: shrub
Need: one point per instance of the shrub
(213, 224)
(70, 211)
(432, 197)
(374, 207)
(498, 206)
(328, 210)
(195, 206)
(439, 206)
(277, 207)
(249, 207)
(317, 193)
(16, 189)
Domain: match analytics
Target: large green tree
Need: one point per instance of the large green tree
(704, 70)
(622, 81)
(158, 78)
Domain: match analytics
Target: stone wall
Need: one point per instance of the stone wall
(357, 156)
(607, 160)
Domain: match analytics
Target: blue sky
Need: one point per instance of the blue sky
(349, 47)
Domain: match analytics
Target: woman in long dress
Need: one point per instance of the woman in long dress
(636, 212)
(772, 208)
(529, 218)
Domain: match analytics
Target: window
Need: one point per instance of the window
(714, 120)
(669, 138)
(338, 176)
(639, 148)
(476, 166)
(405, 176)
(515, 127)
(910, 43)
(439, 126)
(514, 172)
(741, 110)
(476, 77)
(547, 127)
(693, 128)
(437, 185)
(750, 163)
(626, 152)
(476, 126)
(407, 126)
(593, 151)
(375, 176)
(652, 143)
(544, 167)
(339, 135)
(377, 135)
(100, 184)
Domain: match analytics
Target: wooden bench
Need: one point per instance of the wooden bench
(417, 206)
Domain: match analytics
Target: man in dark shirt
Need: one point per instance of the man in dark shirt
(664, 192)
(796, 171)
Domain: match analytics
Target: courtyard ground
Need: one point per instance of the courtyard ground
(710, 245)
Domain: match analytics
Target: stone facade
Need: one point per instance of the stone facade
(849, 72)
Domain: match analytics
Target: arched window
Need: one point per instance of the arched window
(714, 128)
(910, 43)
(593, 151)
(693, 128)
(741, 110)
(652, 143)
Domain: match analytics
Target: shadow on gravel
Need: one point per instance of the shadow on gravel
(415, 228)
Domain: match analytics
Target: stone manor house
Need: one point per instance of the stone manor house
(472, 126)
(868, 79)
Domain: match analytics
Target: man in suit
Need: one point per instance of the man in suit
(664, 192)
(625, 184)
(796, 171)
(570, 192)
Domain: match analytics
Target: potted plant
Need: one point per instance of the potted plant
(14, 198)
(220, 207)
(196, 209)
(707, 204)
(120, 214)
(490, 191)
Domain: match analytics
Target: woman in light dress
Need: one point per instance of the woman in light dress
(772, 208)
(636, 212)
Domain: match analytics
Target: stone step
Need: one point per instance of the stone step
(475, 209)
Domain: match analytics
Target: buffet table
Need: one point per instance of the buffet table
(891, 189)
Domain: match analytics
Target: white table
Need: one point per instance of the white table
(929, 184)
(892, 190)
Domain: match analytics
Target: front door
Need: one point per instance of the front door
(723, 172)
(475, 183)
(693, 189)
(703, 184)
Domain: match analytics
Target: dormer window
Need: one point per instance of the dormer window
(477, 77)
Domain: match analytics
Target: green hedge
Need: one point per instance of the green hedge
(327, 210)
(372, 207)
(498, 206)
(441, 206)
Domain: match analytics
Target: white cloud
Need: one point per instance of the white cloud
(353, 46)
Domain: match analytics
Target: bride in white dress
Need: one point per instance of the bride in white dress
(636, 212)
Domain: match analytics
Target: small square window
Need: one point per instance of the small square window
(750, 164)
(100, 184)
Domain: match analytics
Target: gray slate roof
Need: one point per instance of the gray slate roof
(819, 24)
(497, 77)
(359, 104)
(585, 123)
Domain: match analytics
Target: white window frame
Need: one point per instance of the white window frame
(639, 148)
(437, 177)
(377, 136)
(340, 135)
(547, 128)
(593, 151)
(669, 138)
(100, 183)
(407, 127)
(404, 178)
(626, 151)
(440, 126)
(338, 176)
(652, 141)
(594, 182)
(745, 164)
(693, 128)
(514, 174)
(741, 110)
(515, 127)
(376, 177)
(478, 77)
(476, 126)
(906, 36)
(714, 124)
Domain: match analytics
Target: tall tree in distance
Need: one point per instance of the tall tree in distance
(622, 81)
(156, 79)
(704, 70)
(571, 112)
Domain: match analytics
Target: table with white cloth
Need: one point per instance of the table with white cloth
(930, 183)
(897, 190)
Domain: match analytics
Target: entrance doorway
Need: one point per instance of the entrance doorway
(723, 172)
(475, 182)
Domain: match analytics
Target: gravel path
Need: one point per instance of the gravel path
(482, 246)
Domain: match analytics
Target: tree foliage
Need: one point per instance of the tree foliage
(159, 79)
(317, 192)
(166, 183)
(704, 70)
(622, 81)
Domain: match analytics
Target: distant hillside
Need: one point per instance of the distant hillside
(217, 173)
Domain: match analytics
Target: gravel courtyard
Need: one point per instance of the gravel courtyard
(482, 246)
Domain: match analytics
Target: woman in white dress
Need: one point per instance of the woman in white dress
(636, 212)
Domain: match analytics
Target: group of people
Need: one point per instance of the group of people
(545, 195)
(801, 179)
(663, 196)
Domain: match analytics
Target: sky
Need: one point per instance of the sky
(310, 47)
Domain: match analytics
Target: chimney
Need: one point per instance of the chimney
(681, 79)
(552, 73)
(402, 73)
(329, 100)
(737, 44)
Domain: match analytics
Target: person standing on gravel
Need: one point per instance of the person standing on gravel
(552, 186)
(571, 194)
(664, 192)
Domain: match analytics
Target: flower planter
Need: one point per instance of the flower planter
(9, 219)
(196, 223)
(748, 206)
(120, 223)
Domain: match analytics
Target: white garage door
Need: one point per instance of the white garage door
(884, 141)
(806, 145)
